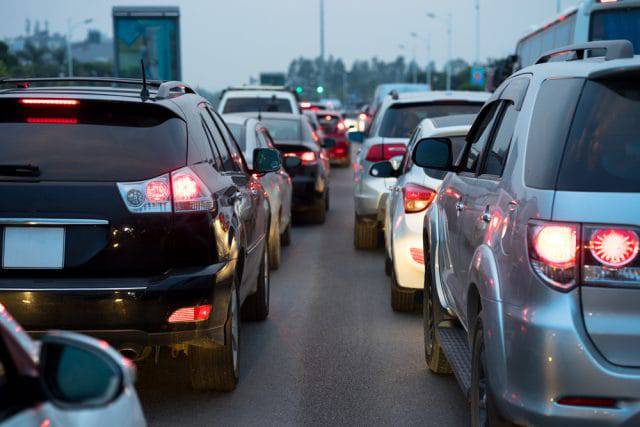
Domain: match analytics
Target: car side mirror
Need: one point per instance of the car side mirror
(434, 153)
(292, 162)
(328, 143)
(384, 170)
(82, 372)
(266, 160)
(356, 136)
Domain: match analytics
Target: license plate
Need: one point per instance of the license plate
(33, 247)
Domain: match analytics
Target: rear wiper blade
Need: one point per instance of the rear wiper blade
(19, 170)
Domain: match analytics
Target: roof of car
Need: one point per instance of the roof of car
(258, 93)
(456, 120)
(587, 68)
(436, 96)
(270, 115)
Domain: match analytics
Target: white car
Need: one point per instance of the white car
(387, 137)
(406, 205)
(251, 134)
(258, 99)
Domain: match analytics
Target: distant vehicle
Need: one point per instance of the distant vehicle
(592, 20)
(158, 231)
(406, 205)
(332, 104)
(532, 248)
(387, 137)
(385, 89)
(334, 133)
(255, 99)
(311, 106)
(66, 379)
(304, 160)
(250, 134)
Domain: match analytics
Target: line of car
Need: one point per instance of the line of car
(517, 233)
(137, 214)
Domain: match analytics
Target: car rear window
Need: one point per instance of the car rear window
(401, 119)
(283, 130)
(238, 133)
(328, 122)
(603, 150)
(265, 105)
(93, 141)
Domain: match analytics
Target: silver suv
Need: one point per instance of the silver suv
(387, 138)
(532, 275)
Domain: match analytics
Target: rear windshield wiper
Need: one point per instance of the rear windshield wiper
(19, 170)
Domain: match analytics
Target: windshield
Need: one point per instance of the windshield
(401, 119)
(283, 130)
(617, 24)
(603, 150)
(264, 105)
(238, 133)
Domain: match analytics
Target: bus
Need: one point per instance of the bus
(591, 20)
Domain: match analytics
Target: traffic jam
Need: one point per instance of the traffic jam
(150, 235)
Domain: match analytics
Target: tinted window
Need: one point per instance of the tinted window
(229, 141)
(617, 24)
(283, 130)
(96, 141)
(212, 147)
(470, 163)
(552, 115)
(218, 142)
(238, 132)
(243, 105)
(401, 119)
(497, 156)
(603, 149)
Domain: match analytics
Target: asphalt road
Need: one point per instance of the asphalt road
(331, 353)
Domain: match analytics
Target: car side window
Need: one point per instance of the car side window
(211, 150)
(232, 146)
(496, 157)
(472, 159)
(218, 144)
(406, 160)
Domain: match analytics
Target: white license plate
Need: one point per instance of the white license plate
(33, 247)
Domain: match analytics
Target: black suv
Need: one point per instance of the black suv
(131, 215)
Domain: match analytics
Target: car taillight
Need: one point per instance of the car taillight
(417, 198)
(50, 101)
(180, 191)
(382, 152)
(306, 157)
(197, 313)
(611, 255)
(553, 249)
(417, 254)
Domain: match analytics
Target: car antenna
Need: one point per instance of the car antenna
(144, 93)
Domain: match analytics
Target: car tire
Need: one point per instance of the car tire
(285, 238)
(484, 412)
(402, 300)
(256, 306)
(432, 315)
(365, 234)
(217, 368)
(327, 199)
(319, 214)
(388, 264)
(275, 249)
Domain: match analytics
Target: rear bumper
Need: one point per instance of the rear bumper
(370, 195)
(134, 312)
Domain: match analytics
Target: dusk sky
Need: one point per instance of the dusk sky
(225, 42)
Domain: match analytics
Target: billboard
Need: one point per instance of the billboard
(148, 33)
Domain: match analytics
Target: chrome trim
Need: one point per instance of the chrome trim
(137, 288)
(52, 221)
(255, 245)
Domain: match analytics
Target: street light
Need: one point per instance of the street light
(449, 25)
(70, 28)
(427, 40)
(414, 62)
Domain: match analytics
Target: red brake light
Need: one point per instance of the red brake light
(48, 101)
(189, 192)
(381, 152)
(306, 157)
(417, 198)
(184, 187)
(556, 245)
(601, 402)
(157, 191)
(614, 247)
(52, 120)
(197, 313)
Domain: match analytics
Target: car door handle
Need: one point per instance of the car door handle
(459, 205)
(486, 216)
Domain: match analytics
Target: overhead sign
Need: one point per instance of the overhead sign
(478, 76)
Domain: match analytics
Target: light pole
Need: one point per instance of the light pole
(414, 64)
(449, 25)
(70, 27)
(322, 43)
(478, 32)
(427, 40)
(398, 77)
(559, 6)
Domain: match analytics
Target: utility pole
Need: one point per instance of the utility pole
(450, 49)
(559, 6)
(477, 32)
(429, 61)
(70, 28)
(322, 43)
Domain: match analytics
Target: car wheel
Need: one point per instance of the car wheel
(327, 198)
(217, 368)
(388, 264)
(285, 239)
(274, 248)
(484, 412)
(319, 213)
(365, 234)
(432, 315)
(402, 300)
(256, 306)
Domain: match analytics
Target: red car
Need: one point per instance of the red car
(335, 136)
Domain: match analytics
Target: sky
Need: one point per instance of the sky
(224, 42)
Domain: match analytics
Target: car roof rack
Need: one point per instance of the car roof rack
(615, 49)
(165, 90)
